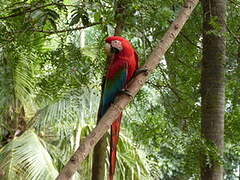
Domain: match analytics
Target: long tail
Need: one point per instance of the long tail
(115, 128)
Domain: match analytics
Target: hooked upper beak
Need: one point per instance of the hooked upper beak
(108, 49)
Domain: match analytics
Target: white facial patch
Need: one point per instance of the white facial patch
(117, 44)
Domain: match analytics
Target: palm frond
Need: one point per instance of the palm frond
(25, 157)
(132, 162)
(64, 123)
(17, 81)
(25, 83)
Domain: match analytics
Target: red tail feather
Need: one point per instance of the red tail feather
(115, 128)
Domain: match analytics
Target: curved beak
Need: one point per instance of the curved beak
(108, 49)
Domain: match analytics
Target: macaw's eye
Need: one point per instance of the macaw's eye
(116, 46)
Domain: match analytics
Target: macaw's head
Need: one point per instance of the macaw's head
(118, 45)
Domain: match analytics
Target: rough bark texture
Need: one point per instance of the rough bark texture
(100, 150)
(121, 102)
(120, 16)
(99, 158)
(212, 83)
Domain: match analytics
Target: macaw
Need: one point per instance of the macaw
(121, 65)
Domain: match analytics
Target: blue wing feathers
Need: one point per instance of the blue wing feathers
(111, 88)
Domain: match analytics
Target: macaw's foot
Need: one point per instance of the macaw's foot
(126, 92)
(141, 70)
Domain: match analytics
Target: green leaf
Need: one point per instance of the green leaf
(26, 158)
(75, 19)
(52, 22)
(53, 14)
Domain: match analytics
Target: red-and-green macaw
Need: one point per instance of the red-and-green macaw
(121, 66)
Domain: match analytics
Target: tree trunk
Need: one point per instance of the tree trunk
(99, 158)
(212, 84)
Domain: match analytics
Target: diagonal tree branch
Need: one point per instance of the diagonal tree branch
(123, 100)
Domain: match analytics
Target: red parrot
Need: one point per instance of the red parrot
(121, 66)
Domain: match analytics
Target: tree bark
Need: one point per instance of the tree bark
(121, 102)
(212, 84)
(120, 16)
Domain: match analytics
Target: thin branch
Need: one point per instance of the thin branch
(123, 100)
(190, 41)
(30, 9)
(234, 35)
(235, 3)
(157, 86)
(59, 31)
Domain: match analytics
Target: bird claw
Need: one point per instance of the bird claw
(126, 92)
(141, 70)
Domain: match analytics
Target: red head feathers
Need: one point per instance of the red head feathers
(123, 51)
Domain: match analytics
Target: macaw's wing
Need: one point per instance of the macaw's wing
(113, 83)
(112, 86)
(101, 100)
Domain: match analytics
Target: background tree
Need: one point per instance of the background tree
(212, 85)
